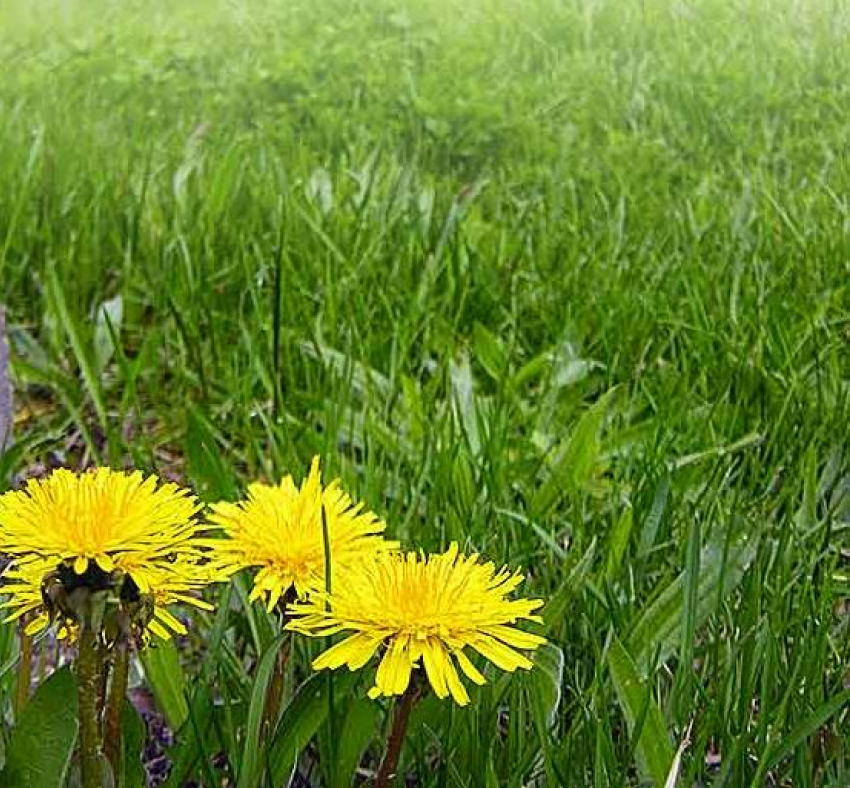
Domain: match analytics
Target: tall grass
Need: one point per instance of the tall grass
(564, 281)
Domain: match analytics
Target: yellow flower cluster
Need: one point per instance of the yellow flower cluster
(142, 541)
(421, 608)
(278, 530)
(100, 530)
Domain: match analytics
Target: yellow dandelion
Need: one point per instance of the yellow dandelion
(278, 530)
(100, 530)
(427, 610)
(38, 592)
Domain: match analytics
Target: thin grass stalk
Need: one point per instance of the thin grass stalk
(326, 543)
(22, 691)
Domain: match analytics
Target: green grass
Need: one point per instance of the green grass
(564, 281)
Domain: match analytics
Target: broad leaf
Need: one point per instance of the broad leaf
(250, 769)
(659, 628)
(650, 527)
(192, 745)
(357, 730)
(490, 352)
(107, 327)
(618, 542)
(464, 401)
(165, 676)
(576, 460)
(545, 682)
(133, 741)
(301, 720)
(42, 743)
(646, 724)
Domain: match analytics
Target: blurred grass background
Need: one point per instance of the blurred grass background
(564, 280)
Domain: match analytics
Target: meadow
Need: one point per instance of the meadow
(563, 281)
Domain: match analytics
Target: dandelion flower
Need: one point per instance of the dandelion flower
(278, 530)
(103, 530)
(422, 610)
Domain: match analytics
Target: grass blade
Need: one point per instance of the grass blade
(91, 380)
(802, 731)
(660, 625)
(654, 752)
(250, 766)
(301, 720)
(6, 408)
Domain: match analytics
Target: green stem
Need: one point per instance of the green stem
(277, 685)
(115, 703)
(329, 677)
(103, 677)
(24, 670)
(389, 765)
(88, 674)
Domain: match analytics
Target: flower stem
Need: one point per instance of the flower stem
(115, 703)
(103, 678)
(276, 687)
(88, 671)
(387, 770)
(24, 670)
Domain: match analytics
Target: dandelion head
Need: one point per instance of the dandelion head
(278, 531)
(123, 536)
(421, 611)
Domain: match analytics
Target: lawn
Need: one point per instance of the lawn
(566, 282)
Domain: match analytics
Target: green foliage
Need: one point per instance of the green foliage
(565, 281)
(39, 751)
(161, 661)
(303, 717)
(249, 764)
(359, 727)
(688, 599)
(133, 742)
(646, 723)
